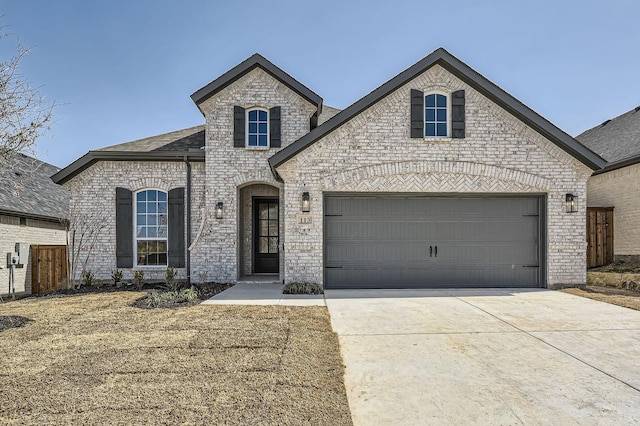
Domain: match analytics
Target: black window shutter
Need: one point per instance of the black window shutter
(457, 114)
(124, 228)
(176, 246)
(274, 127)
(238, 127)
(417, 114)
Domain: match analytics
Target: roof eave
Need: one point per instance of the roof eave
(469, 76)
(244, 68)
(93, 157)
(618, 165)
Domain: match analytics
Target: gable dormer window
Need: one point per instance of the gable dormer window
(435, 115)
(257, 128)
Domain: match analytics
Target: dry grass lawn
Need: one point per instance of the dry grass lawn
(93, 359)
(620, 297)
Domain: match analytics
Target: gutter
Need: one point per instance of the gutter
(618, 165)
(186, 160)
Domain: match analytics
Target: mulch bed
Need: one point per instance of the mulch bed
(12, 321)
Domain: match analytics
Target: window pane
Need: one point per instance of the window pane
(263, 228)
(162, 219)
(162, 207)
(262, 115)
(253, 140)
(442, 129)
(442, 115)
(273, 227)
(162, 246)
(430, 129)
(441, 101)
(151, 207)
(430, 101)
(142, 219)
(162, 258)
(263, 246)
(152, 219)
(142, 252)
(253, 115)
(253, 127)
(162, 232)
(141, 232)
(152, 195)
(142, 207)
(273, 211)
(264, 211)
(141, 196)
(430, 114)
(273, 245)
(262, 128)
(152, 232)
(162, 196)
(263, 140)
(153, 259)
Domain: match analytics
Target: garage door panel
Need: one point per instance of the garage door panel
(391, 242)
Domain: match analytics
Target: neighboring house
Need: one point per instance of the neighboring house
(437, 178)
(32, 211)
(618, 184)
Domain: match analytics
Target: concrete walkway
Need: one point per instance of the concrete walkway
(487, 357)
(263, 294)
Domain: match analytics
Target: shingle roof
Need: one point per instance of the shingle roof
(172, 146)
(468, 75)
(27, 189)
(179, 140)
(617, 139)
(327, 113)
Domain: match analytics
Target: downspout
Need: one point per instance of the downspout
(186, 160)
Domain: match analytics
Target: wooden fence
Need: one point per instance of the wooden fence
(48, 268)
(599, 236)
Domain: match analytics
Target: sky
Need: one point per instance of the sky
(124, 70)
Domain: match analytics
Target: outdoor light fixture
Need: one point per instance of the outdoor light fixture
(306, 203)
(219, 206)
(572, 203)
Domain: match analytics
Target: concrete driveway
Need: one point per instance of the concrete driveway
(487, 357)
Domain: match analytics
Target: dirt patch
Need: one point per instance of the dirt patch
(95, 359)
(622, 267)
(615, 296)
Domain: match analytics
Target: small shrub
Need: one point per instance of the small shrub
(87, 277)
(302, 288)
(202, 277)
(138, 279)
(163, 299)
(116, 276)
(171, 279)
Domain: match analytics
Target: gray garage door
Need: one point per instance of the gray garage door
(431, 242)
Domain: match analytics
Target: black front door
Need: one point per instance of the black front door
(265, 235)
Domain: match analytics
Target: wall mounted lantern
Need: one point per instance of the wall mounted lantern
(306, 203)
(219, 208)
(572, 203)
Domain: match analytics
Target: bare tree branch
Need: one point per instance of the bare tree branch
(24, 114)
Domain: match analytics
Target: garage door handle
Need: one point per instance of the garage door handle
(430, 251)
(436, 251)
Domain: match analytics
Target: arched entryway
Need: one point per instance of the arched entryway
(259, 230)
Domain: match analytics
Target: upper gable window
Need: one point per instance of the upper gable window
(435, 115)
(258, 128)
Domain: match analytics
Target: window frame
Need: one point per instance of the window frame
(448, 112)
(135, 229)
(248, 134)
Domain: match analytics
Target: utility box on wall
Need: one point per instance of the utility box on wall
(23, 253)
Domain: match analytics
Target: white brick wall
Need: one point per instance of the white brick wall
(229, 169)
(93, 193)
(620, 189)
(374, 153)
(12, 234)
